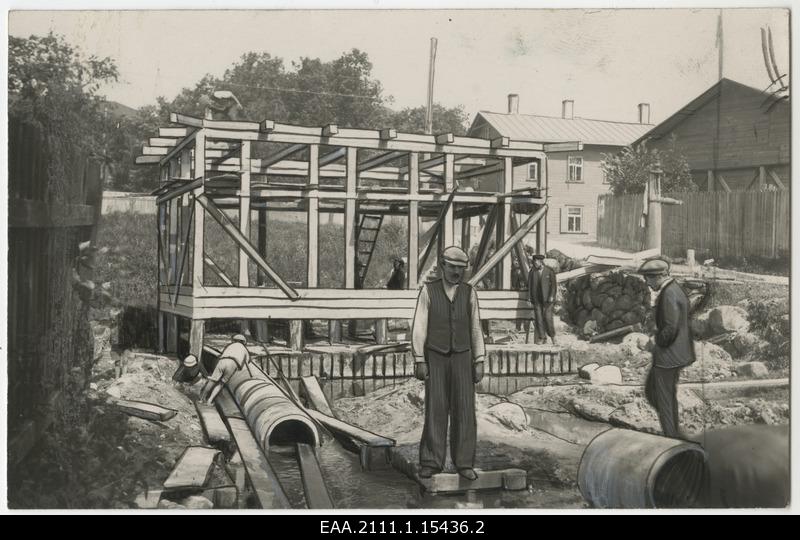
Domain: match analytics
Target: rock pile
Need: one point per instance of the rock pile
(611, 299)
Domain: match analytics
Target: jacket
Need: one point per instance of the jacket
(674, 344)
(547, 285)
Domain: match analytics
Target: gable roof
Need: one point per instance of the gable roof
(666, 127)
(535, 128)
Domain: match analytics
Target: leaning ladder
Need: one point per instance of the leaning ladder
(367, 235)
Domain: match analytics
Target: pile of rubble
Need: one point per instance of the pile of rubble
(606, 301)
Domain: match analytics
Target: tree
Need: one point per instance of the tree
(53, 87)
(412, 119)
(629, 170)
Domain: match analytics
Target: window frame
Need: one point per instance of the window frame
(565, 224)
(577, 168)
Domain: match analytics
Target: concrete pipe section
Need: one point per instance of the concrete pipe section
(274, 419)
(622, 468)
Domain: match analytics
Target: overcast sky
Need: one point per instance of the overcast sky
(607, 61)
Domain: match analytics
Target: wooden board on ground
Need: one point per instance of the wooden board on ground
(314, 395)
(316, 491)
(353, 432)
(213, 426)
(193, 468)
(262, 477)
(143, 409)
(227, 406)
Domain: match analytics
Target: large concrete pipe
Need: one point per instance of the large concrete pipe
(622, 468)
(274, 419)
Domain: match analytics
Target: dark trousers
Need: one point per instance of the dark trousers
(543, 320)
(449, 392)
(661, 391)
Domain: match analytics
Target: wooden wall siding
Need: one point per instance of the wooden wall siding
(48, 328)
(715, 224)
(749, 136)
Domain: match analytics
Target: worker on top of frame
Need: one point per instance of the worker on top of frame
(448, 350)
(674, 346)
(542, 288)
(233, 358)
(398, 278)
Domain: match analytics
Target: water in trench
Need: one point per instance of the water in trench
(350, 487)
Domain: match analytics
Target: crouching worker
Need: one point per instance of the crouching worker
(233, 358)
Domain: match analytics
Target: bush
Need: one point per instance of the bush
(769, 319)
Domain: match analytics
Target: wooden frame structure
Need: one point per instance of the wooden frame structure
(208, 169)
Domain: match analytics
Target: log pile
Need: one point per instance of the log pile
(611, 299)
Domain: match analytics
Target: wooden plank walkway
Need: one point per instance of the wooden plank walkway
(316, 491)
(143, 409)
(193, 468)
(264, 481)
(214, 428)
(314, 395)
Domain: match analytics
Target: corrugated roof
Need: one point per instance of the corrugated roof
(530, 127)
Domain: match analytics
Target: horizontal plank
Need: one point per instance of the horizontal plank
(354, 432)
(143, 409)
(27, 213)
(213, 426)
(193, 469)
(177, 132)
(154, 150)
(162, 141)
(147, 160)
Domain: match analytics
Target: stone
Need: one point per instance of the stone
(509, 415)
(606, 375)
(752, 369)
(590, 328)
(166, 504)
(197, 502)
(712, 362)
(728, 319)
(746, 342)
(114, 391)
(584, 372)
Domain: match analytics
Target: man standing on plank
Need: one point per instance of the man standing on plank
(448, 348)
(542, 293)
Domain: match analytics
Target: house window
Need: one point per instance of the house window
(533, 172)
(575, 164)
(572, 219)
(605, 175)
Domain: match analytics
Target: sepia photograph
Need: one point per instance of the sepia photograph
(456, 259)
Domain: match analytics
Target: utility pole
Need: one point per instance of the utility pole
(654, 202)
(431, 69)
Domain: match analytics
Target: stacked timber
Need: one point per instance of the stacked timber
(611, 299)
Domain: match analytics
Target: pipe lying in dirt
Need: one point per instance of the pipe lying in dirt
(621, 468)
(274, 419)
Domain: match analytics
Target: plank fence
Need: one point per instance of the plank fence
(50, 214)
(715, 224)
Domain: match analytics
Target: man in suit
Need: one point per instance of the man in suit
(673, 348)
(448, 348)
(542, 292)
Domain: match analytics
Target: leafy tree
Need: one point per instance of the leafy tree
(53, 87)
(629, 170)
(412, 119)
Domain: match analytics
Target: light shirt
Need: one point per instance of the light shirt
(419, 328)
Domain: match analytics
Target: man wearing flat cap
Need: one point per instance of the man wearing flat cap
(448, 348)
(542, 292)
(233, 357)
(673, 348)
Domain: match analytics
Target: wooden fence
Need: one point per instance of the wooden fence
(715, 224)
(50, 214)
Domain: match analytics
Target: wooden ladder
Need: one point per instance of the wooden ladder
(367, 235)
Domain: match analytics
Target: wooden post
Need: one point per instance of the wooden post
(334, 331)
(541, 227)
(654, 209)
(172, 320)
(448, 227)
(261, 325)
(709, 180)
(508, 186)
(465, 230)
(381, 331)
(762, 178)
(244, 212)
(313, 216)
(413, 221)
(296, 341)
(196, 334)
(350, 226)
(162, 273)
(198, 263)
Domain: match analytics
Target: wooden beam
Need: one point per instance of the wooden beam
(448, 230)
(500, 142)
(312, 221)
(330, 130)
(193, 469)
(379, 160)
(154, 150)
(776, 179)
(362, 436)
(387, 134)
(314, 396)
(437, 225)
(330, 157)
(413, 221)
(186, 120)
(520, 251)
(186, 141)
(486, 237)
(198, 263)
(316, 492)
(503, 250)
(710, 180)
(350, 220)
(723, 183)
(184, 188)
(217, 270)
(38, 214)
(244, 213)
(508, 186)
(563, 147)
(479, 171)
(147, 160)
(281, 155)
(173, 132)
(162, 141)
(582, 271)
(229, 227)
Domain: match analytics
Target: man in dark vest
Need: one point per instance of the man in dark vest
(542, 293)
(448, 349)
(673, 348)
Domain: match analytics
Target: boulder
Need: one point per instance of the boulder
(642, 341)
(197, 502)
(746, 342)
(606, 375)
(712, 362)
(752, 369)
(584, 372)
(509, 415)
(114, 391)
(728, 319)
(590, 328)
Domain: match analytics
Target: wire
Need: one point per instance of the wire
(276, 89)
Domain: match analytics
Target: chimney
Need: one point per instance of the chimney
(644, 113)
(566, 109)
(513, 103)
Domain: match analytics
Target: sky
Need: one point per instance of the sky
(606, 60)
